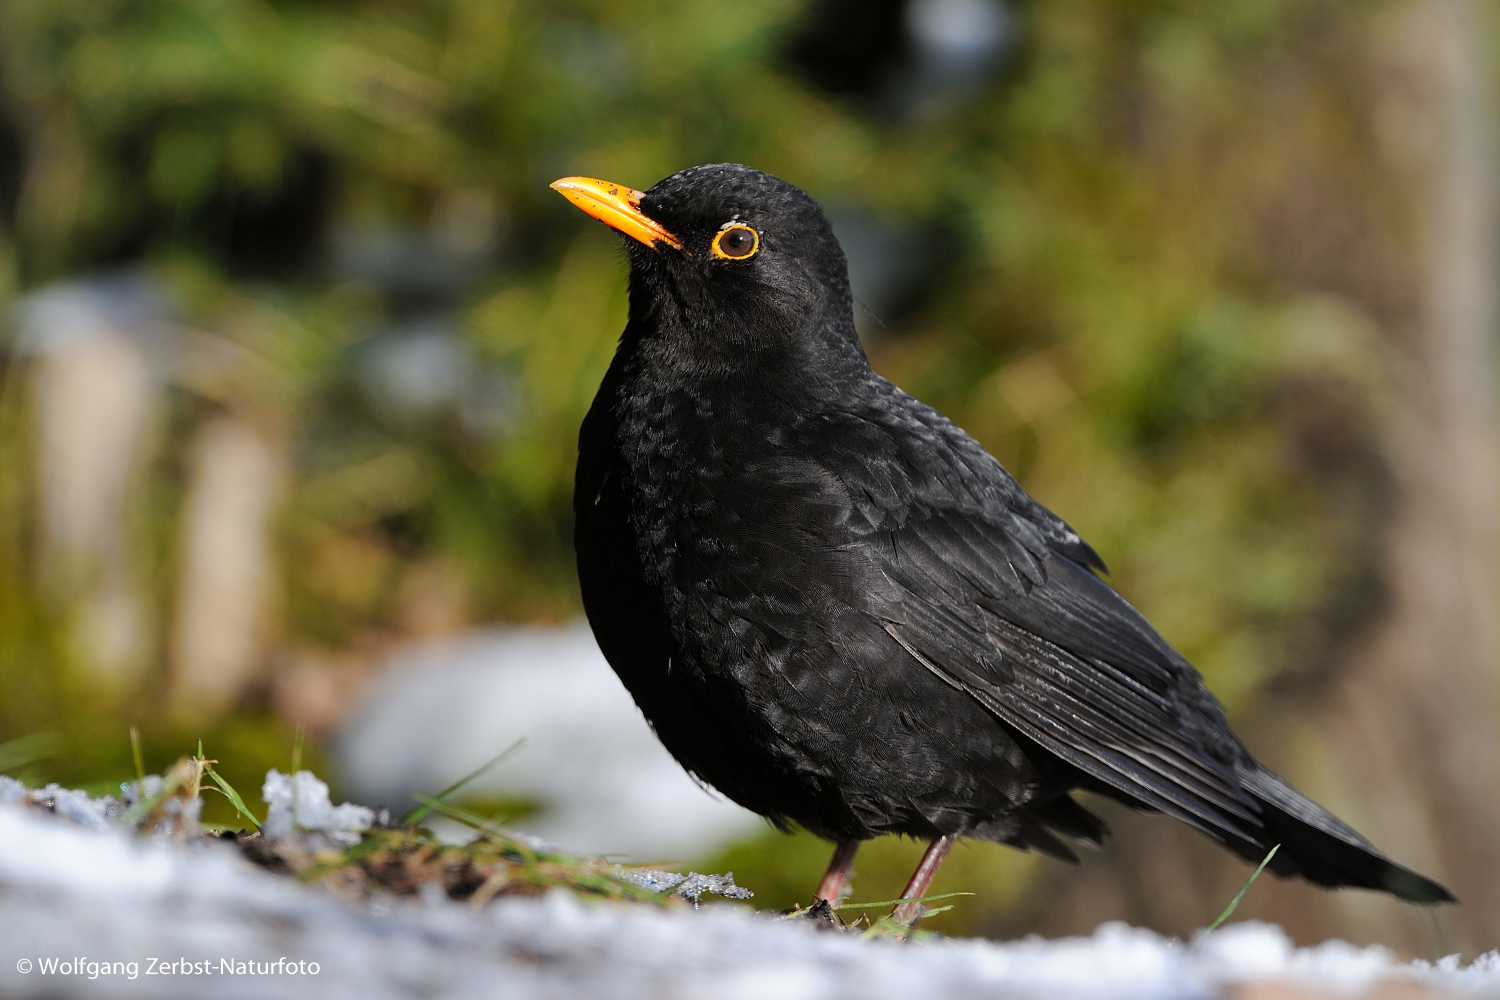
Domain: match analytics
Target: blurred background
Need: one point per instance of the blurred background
(295, 342)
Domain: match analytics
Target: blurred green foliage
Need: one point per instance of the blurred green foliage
(1112, 317)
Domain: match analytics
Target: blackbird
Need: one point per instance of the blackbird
(835, 607)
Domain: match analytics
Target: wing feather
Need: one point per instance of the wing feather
(984, 611)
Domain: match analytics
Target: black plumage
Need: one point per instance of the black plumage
(836, 608)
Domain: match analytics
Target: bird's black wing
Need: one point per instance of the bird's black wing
(922, 532)
(991, 592)
(1061, 658)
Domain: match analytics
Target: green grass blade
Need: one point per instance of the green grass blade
(233, 795)
(461, 815)
(1228, 910)
(297, 748)
(894, 902)
(430, 802)
(471, 820)
(29, 749)
(135, 752)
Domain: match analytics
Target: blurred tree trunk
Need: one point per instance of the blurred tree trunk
(238, 471)
(1412, 721)
(1397, 730)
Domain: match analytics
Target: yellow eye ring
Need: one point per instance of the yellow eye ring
(736, 242)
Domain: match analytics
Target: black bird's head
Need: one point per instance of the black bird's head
(727, 263)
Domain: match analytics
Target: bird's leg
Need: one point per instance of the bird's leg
(835, 883)
(906, 914)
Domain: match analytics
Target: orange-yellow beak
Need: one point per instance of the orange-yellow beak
(615, 205)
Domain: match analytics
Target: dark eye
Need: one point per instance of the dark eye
(736, 242)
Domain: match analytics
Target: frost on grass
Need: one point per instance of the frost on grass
(160, 806)
(300, 802)
(358, 853)
(691, 886)
(96, 814)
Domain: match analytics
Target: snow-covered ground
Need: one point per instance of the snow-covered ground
(100, 913)
(442, 707)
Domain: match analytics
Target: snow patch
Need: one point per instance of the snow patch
(442, 707)
(300, 802)
(69, 889)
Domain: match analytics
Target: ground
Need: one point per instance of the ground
(88, 909)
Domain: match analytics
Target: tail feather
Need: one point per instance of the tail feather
(1067, 817)
(1315, 844)
(1038, 829)
(1036, 837)
(1318, 846)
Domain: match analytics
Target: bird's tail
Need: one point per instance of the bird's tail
(1320, 848)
